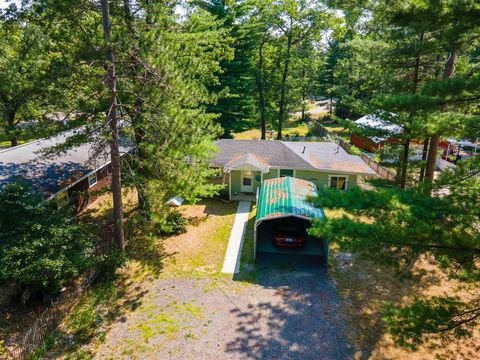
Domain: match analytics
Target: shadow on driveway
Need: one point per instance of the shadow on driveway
(294, 316)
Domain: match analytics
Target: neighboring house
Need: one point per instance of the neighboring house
(384, 132)
(71, 175)
(245, 164)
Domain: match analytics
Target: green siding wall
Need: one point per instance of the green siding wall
(271, 175)
(319, 178)
(237, 181)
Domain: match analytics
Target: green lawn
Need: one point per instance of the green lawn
(7, 143)
(291, 128)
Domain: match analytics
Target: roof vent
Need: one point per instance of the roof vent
(304, 148)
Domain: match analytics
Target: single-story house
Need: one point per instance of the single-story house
(283, 203)
(243, 165)
(381, 130)
(69, 175)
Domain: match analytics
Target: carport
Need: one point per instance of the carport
(283, 202)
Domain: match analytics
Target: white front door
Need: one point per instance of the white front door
(247, 181)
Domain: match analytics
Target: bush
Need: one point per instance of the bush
(43, 248)
(174, 224)
(110, 262)
(223, 193)
(315, 128)
(355, 150)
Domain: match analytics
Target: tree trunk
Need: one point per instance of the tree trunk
(10, 115)
(304, 95)
(113, 122)
(332, 82)
(406, 145)
(406, 149)
(283, 86)
(261, 92)
(424, 157)
(434, 139)
(137, 118)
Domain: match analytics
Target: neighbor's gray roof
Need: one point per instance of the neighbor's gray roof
(52, 173)
(290, 154)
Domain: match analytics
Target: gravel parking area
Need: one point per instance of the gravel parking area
(281, 310)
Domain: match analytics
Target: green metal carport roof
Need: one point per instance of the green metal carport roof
(286, 196)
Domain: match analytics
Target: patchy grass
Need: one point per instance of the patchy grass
(365, 286)
(246, 259)
(7, 143)
(293, 127)
(197, 253)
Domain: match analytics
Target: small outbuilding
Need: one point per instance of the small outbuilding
(379, 131)
(283, 203)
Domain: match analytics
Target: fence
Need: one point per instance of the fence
(49, 319)
(383, 172)
(380, 170)
(346, 146)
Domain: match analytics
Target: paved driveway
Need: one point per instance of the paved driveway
(285, 311)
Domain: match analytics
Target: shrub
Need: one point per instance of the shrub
(223, 193)
(355, 150)
(110, 262)
(42, 247)
(315, 128)
(174, 224)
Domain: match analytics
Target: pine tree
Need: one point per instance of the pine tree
(236, 104)
(113, 121)
(395, 226)
(167, 70)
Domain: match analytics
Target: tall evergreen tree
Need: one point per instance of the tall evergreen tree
(236, 104)
(167, 70)
(113, 122)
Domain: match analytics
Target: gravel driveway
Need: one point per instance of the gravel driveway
(285, 311)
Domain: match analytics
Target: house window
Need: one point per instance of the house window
(337, 182)
(92, 179)
(62, 198)
(247, 181)
(286, 172)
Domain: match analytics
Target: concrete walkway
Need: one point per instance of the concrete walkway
(231, 265)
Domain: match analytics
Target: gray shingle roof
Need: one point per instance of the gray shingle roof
(290, 154)
(274, 152)
(51, 174)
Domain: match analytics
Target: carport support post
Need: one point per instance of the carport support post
(255, 240)
(325, 249)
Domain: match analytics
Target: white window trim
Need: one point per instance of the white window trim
(337, 175)
(96, 179)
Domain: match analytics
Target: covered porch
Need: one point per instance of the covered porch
(245, 176)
